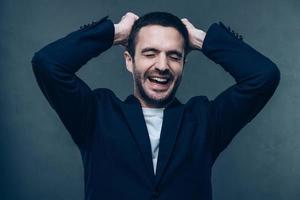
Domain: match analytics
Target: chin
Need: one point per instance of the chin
(157, 98)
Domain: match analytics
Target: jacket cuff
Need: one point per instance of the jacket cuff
(218, 34)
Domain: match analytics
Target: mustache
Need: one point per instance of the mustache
(161, 73)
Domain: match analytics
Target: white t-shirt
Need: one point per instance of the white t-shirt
(153, 118)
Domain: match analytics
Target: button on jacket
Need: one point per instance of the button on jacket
(112, 135)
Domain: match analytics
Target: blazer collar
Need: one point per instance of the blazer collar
(171, 124)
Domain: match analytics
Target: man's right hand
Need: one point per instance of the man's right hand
(123, 28)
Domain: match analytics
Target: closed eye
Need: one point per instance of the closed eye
(175, 57)
(149, 55)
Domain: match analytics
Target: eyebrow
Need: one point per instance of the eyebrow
(147, 49)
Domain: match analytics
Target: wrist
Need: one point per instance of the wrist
(118, 35)
(199, 39)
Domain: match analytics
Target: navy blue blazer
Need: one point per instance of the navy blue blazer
(112, 136)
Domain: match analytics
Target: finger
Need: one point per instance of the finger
(188, 23)
(132, 14)
(185, 21)
(135, 16)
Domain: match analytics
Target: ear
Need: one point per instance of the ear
(129, 61)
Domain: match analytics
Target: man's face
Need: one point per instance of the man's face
(158, 64)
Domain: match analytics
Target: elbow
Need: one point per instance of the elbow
(36, 61)
(271, 77)
(40, 64)
(42, 68)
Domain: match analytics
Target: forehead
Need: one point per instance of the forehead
(159, 37)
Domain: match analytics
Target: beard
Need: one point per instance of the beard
(140, 80)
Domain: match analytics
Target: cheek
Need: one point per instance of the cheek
(143, 65)
(139, 72)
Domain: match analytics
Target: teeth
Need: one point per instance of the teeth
(159, 80)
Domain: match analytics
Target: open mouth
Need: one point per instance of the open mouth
(159, 80)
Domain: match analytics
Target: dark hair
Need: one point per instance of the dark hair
(157, 18)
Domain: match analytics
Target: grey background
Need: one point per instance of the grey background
(38, 159)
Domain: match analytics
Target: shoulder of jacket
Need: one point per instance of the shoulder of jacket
(197, 104)
(198, 100)
(106, 97)
(104, 93)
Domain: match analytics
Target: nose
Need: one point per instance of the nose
(162, 63)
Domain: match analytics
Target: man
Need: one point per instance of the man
(151, 146)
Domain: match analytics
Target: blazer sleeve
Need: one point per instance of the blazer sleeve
(256, 79)
(54, 67)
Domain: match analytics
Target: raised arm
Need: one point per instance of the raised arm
(55, 66)
(256, 78)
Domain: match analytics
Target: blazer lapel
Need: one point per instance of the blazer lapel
(171, 124)
(135, 119)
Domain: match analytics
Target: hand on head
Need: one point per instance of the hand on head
(123, 28)
(196, 36)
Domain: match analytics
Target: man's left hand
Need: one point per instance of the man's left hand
(196, 36)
